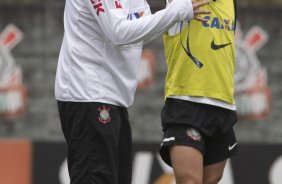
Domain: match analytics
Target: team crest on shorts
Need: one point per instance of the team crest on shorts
(193, 134)
(104, 116)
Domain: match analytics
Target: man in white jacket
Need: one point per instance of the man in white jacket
(97, 77)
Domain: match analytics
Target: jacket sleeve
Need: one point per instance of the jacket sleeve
(119, 30)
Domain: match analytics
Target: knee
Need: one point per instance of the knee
(212, 178)
(189, 180)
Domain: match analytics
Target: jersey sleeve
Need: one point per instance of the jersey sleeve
(114, 22)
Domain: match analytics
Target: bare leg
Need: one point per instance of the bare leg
(213, 173)
(187, 164)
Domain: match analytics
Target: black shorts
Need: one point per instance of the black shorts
(205, 127)
(99, 142)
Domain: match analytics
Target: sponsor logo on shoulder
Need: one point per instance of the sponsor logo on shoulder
(135, 15)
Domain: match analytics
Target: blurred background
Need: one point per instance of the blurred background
(32, 149)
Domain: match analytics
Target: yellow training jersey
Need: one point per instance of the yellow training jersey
(212, 43)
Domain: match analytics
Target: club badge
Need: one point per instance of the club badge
(104, 116)
(193, 134)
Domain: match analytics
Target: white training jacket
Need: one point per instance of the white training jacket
(102, 45)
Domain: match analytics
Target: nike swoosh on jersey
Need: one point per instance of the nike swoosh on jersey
(232, 147)
(217, 47)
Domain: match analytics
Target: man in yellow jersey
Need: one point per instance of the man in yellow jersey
(199, 111)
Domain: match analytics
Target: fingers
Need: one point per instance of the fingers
(198, 11)
(201, 19)
(198, 4)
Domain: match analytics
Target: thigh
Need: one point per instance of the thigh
(125, 150)
(213, 173)
(220, 147)
(92, 131)
(70, 113)
(180, 135)
(187, 163)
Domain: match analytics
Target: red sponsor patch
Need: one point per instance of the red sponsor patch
(98, 6)
(118, 5)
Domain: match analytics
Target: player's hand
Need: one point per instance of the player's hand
(197, 11)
